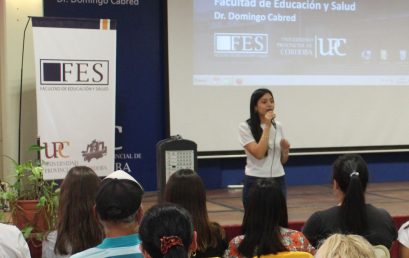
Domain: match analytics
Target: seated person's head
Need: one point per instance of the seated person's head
(348, 167)
(341, 246)
(77, 199)
(186, 188)
(350, 178)
(78, 189)
(267, 204)
(118, 202)
(167, 231)
(264, 213)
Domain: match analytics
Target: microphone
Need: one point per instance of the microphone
(274, 124)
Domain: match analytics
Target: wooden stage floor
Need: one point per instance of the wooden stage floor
(225, 207)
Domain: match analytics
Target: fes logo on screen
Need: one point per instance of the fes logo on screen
(74, 72)
(240, 43)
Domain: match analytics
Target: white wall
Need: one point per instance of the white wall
(14, 15)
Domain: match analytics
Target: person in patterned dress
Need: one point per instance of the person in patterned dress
(265, 225)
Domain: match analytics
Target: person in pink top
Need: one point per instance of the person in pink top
(265, 225)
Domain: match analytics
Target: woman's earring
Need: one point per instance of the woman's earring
(193, 254)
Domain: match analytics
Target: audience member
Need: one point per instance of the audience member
(12, 242)
(265, 225)
(352, 215)
(186, 188)
(77, 227)
(343, 246)
(118, 207)
(403, 239)
(167, 231)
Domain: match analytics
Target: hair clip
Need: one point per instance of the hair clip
(167, 242)
(354, 173)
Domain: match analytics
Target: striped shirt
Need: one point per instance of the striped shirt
(124, 247)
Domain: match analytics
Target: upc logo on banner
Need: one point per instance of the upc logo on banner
(54, 150)
(74, 72)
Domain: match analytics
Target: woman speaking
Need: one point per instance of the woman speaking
(264, 143)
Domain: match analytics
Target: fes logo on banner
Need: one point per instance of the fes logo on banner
(75, 80)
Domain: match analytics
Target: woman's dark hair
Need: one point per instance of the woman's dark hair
(254, 120)
(264, 215)
(351, 174)
(186, 188)
(77, 227)
(166, 220)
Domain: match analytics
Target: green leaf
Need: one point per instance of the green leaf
(27, 231)
(41, 202)
(36, 147)
(37, 172)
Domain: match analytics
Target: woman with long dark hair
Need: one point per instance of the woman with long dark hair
(265, 225)
(352, 215)
(263, 141)
(77, 227)
(186, 188)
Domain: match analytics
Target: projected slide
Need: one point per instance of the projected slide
(300, 43)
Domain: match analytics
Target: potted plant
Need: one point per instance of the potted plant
(32, 201)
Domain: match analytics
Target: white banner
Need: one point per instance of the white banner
(75, 84)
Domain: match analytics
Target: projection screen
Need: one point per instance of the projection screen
(339, 71)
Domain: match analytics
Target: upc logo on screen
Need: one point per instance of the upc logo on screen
(74, 72)
(240, 43)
